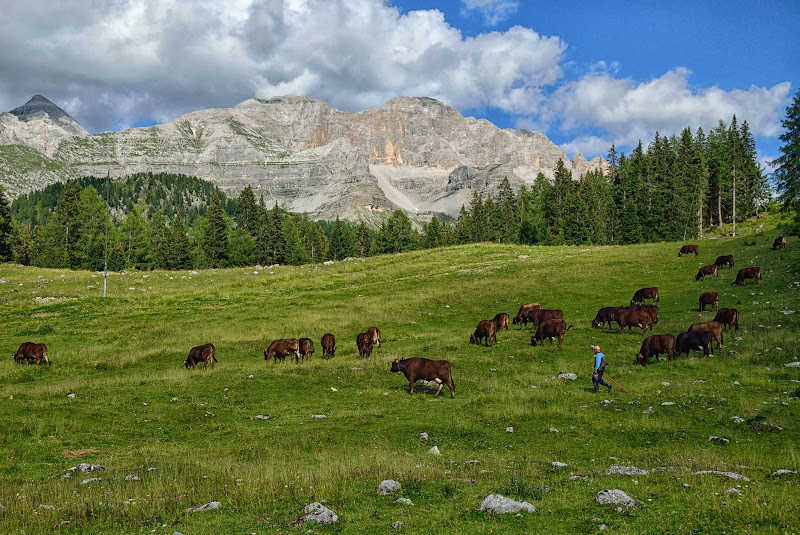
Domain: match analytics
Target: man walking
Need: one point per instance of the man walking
(599, 369)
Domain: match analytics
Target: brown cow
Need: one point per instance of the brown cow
(605, 316)
(710, 270)
(645, 293)
(31, 351)
(630, 318)
(651, 310)
(779, 243)
(328, 345)
(375, 334)
(748, 273)
(728, 317)
(364, 343)
(198, 354)
(687, 249)
(428, 370)
(535, 317)
(709, 298)
(714, 327)
(694, 341)
(306, 347)
(281, 348)
(550, 329)
(522, 310)
(486, 329)
(501, 320)
(725, 260)
(654, 345)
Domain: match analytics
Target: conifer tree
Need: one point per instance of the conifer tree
(134, 240)
(463, 230)
(787, 174)
(180, 248)
(214, 239)
(159, 241)
(364, 244)
(6, 228)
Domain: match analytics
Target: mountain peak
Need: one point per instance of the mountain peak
(37, 106)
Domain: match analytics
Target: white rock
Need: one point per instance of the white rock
(731, 475)
(737, 383)
(721, 440)
(668, 404)
(404, 501)
(210, 506)
(782, 472)
(558, 464)
(664, 383)
(173, 400)
(91, 480)
(553, 430)
(397, 524)
(334, 389)
(319, 514)
(423, 436)
(318, 416)
(616, 496)
(509, 429)
(71, 395)
(569, 376)
(434, 451)
(733, 491)
(328, 263)
(648, 410)
(251, 376)
(498, 504)
(737, 420)
(795, 364)
(261, 416)
(132, 478)
(626, 471)
(388, 486)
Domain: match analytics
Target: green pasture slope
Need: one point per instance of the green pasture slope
(191, 436)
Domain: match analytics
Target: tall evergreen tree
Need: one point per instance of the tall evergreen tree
(787, 174)
(134, 240)
(23, 247)
(180, 248)
(214, 240)
(6, 228)
(247, 213)
(364, 244)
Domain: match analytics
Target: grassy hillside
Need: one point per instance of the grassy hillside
(191, 436)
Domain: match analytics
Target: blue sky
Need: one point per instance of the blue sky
(587, 74)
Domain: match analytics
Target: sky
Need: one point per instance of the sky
(585, 73)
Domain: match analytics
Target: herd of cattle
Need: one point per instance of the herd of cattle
(546, 324)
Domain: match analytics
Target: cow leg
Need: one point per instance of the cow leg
(441, 385)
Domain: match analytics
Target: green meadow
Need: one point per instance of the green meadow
(118, 395)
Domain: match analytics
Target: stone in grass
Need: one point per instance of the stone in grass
(795, 364)
(782, 472)
(319, 514)
(91, 480)
(499, 504)
(737, 419)
(616, 496)
(423, 436)
(509, 429)
(318, 416)
(388, 486)
(405, 501)
(397, 524)
(210, 506)
(133, 478)
(719, 440)
(569, 376)
(558, 464)
(434, 451)
(626, 471)
(731, 475)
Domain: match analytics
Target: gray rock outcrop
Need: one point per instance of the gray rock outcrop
(388, 486)
(616, 497)
(499, 504)
(210, 506)
(319, 514)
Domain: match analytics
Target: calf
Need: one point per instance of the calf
(652, 346)
(364, 343)
(714, 327)
(487, 330)
(328, 345)
(645, 293)
(630, 318)
(31, 351)
(543, 314)
(375, 335)
(728, 317)
(779, 243)
(428, 370)
(748, 273)
(726, 260)
(710, 270)
(306, 347)
(550, 329)
(281, 348)
(605, 316)
(198, 354)
(694, 341)
(687, 249)
(522, 310)
(709, 298)
(501, 321)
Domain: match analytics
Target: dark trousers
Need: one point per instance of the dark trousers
(600, 371)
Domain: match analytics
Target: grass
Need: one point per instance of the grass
(192, 437)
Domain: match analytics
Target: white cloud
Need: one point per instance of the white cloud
(492, 11)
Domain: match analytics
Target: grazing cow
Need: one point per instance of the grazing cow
(328, 345)
(428, 370)
(306, 347)
(779, 243)
(709, 298)
(714, 327)
(651, 310)
(198, 354)
(725, 260)
(281, 348)
(631, 318)
(375, 334)
(31, 351)
(710, 270)
(550, 329)
(694, 341)
(522, 310)
(364, 343)
(654, 345)
(543, 314)
(605, 316)
(687, 249)
(728, 317)
(501, 320)
(645, 293)
(748, 273)
(486, 329)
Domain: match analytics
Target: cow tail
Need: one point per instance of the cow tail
(568, 327)
(215, 358)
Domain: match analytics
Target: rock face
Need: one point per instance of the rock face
(499, 504)
(416, 154)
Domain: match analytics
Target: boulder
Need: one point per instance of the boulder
(210, 506)
(388, 486)
(616, 496)
(626, 471)
(319, 514)
(498, 504)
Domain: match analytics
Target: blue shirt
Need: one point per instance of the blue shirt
(598, 358)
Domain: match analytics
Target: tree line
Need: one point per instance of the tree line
(675, 189)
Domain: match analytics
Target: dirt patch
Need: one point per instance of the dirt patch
(77, 453)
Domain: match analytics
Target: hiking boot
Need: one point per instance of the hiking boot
(596, 389)
(609, 388)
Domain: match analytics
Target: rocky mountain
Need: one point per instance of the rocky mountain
(417, 154)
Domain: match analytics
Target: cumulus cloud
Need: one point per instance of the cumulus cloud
(492, 11)
(115, 64)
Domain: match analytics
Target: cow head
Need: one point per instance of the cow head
(472, 339)
(595, 323)
(533, 340)
(640, 360)
(266, 354)
(395, 366)
(699, 275)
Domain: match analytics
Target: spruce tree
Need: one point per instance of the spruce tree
(787, 174)
(364, 244)
(23, 248)
(6, 228)
(180, 249)
(214, 240)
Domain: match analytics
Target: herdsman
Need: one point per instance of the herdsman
(599, 369)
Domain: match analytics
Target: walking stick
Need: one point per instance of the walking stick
(613, 381)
